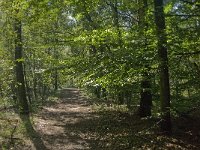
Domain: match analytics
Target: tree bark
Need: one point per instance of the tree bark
(116, 20)
(21, 90)
(145, 95)
(163, 66)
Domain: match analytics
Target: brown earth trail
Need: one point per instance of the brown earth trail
(69, 123)
(66, 124)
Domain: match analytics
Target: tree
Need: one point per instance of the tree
(145, 96)
(21, 89)
(163, 66)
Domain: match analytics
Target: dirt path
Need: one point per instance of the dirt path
(70, 124)
(65, 124)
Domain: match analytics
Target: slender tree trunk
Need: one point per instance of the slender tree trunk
(56, 56)
(116, 21)
(128, 94)
(55, 73)
(56, 80)
(121, 98)
(145, 94)
(28, 89)
(93, 25)
(97, 91)
(21, 90)
(164, 73)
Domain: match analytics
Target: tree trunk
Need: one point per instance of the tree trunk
(120, 98)
(116, 22)
(145, 98)
(128, 96)
(163, 66)
(145, 94)
(21, 90)
(97, 91)
(56, 80)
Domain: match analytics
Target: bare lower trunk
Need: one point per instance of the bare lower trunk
(164, 73)
(145, 94)
(21, 90)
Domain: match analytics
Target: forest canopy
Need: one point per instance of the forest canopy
(143, 53)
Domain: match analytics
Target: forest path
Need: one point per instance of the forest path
(70, 123)
(65, 125)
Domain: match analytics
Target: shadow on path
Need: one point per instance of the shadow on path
(70, 124)
(33, 135)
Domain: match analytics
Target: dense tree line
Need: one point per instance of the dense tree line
(134, 52)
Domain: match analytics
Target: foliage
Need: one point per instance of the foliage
(102, 46)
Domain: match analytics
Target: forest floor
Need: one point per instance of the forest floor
(72, 122)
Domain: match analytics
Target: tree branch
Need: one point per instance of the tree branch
(188, 53)
(183, 15)
(191, 3)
